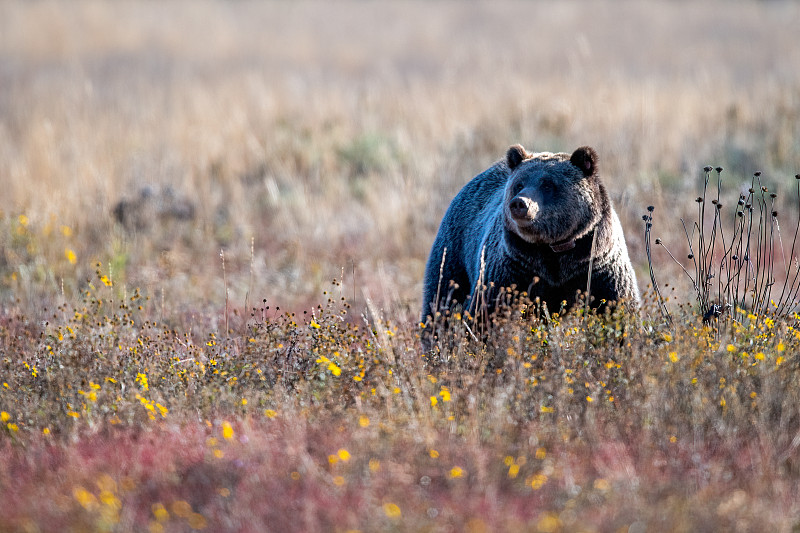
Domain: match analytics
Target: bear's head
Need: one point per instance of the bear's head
(553, 199)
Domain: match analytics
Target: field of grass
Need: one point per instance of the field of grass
(214, 221)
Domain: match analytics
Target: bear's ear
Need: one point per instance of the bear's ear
(585, 158)
(516, 155)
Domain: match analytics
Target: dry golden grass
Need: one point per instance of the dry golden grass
(334, 136)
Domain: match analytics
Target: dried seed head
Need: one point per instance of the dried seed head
(763, 189)
(699, 200)
(719, 206)
(774, 213)
(658, 241)
(719, 169)
(751, 190)
(773, 195)
(735, 257)
(645, 217)
(690, 256)
(714, 202)
(757, 173)
(797, 176)
(745, 258)
(739, 213)
(741, 201)
(708, 168)
(650, 208)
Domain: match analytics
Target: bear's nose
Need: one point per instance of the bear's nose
(518, 208)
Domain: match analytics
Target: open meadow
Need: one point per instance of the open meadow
(214, 222)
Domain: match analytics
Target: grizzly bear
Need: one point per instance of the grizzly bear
(530, 222)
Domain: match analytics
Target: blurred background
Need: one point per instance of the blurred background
(313, 141)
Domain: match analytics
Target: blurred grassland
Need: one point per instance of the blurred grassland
(332, 136)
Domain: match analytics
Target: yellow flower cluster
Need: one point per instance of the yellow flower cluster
(152, 407)
(333, 367)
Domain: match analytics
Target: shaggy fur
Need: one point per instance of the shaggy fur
(530, 220)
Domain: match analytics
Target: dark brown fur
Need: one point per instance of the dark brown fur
(529, 221)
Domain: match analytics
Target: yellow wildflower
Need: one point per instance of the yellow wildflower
(84, 497)
(549, 523)
(108, 498)
(197, 521)
(392, 510)
(601, 484)
(537, 481)
(160, 512)
(456, 472)
(335, 370)
(181, 508)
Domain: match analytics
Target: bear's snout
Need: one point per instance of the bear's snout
(522, 208)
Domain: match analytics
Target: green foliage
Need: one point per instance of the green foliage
(366, 154)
